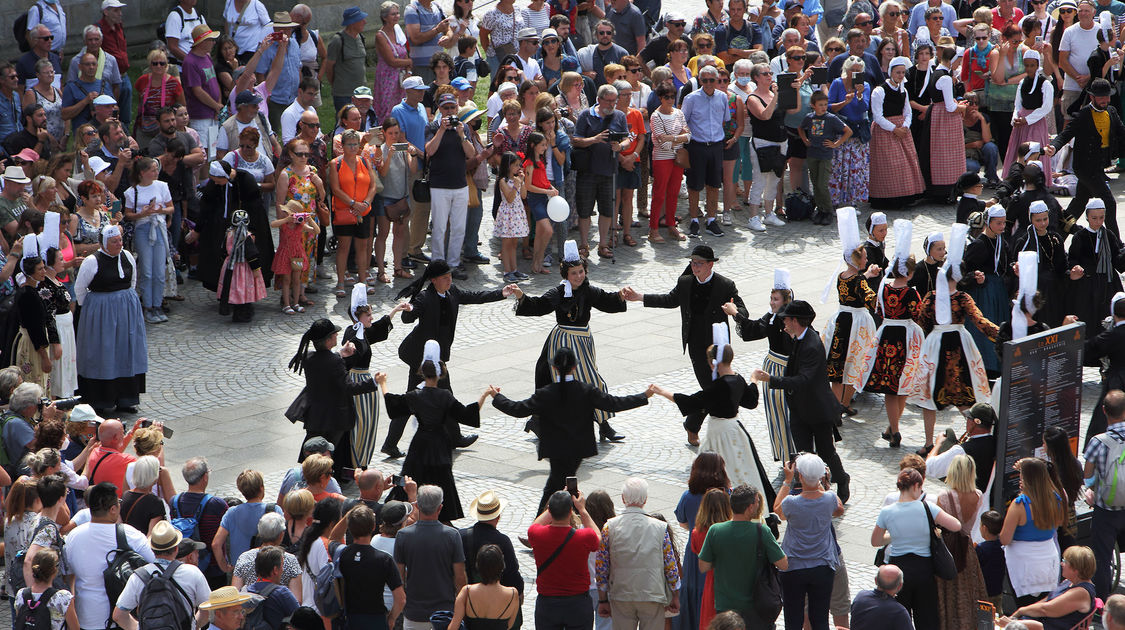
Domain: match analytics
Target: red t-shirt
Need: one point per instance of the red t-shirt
(105, 464)
(538, 174)
(636, 122)
(569, 573)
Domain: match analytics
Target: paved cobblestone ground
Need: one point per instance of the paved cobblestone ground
(223, 386)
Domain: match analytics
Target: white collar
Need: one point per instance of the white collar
(568, 377)
(968, 195)
(1116, 324)
(802, 335)
(443, 294)
(707, 280)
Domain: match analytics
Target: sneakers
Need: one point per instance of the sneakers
(713, 228)
(693, 229)
(728, 217)
(151, 317)
(774, 220)
(547, 260)
(511, 277)
(459, 273)
(756, 224)
(520, 275)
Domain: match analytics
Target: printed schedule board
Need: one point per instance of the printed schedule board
(1041, 387)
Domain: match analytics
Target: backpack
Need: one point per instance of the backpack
(14, 570)
(799, 205)
(35, 615)
(161, 603)
(19, 28)
(122, 562)
(329, 593)
(189, 525)
(4, 419)
(161, 33)
(256, 609)
(1111, 488)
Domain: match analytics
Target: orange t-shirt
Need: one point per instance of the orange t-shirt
(636, 122)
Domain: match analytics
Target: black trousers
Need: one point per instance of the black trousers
(398, 425)
(570, 612)
(1092, 185)
(697, 352)
(813, 585)
(819, 439)
(561, 468)
(919, 590)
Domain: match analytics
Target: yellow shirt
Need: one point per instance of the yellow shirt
(1101, 123)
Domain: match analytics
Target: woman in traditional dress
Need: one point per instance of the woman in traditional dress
(947, 129)
(770, 327)
(430, 457)
(364, 332)
(725, 433)
(951, 370)
(33, 345)
(920, 94)
(240, 281)
(893, 365)
(571, 301)
(897, 180)
(989, 281)
(112, 347)
(925, 272)
(1034, 105)
(850, 333)
(1053, 266)
(1097, 251)
(56, 299)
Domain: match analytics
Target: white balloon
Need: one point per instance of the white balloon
(557, 209)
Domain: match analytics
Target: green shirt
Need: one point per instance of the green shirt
(350, 69)
(11, 210)
(732, 549)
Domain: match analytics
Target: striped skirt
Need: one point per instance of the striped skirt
(27, 359)
(366, 420)
(578, 339)
(895, 177)
(777, 412)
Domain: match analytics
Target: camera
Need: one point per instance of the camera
(62, 404)
(398, 480)
(146, 423)
(453, 121)
(301, 216)
(564, 112)
(618, 136)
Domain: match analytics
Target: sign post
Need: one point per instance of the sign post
(1041, 387)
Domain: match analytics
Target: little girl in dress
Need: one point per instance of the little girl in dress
(510, 219)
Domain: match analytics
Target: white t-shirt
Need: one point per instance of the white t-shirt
(137, 197)
(249, 31)
(531, 69)
(187, 576)
(85, 552)
(259, 170)
(1080, 43)
(179, 25)
(289, 119)
(318, 557)
(386, 545)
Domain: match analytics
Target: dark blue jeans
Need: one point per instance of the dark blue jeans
(472, 232)
(813, 584)
(989, 160)
(1108, 527)
(572, 612)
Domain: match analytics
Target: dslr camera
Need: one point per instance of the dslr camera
(62, 404)
(453, 121)
(564, 112)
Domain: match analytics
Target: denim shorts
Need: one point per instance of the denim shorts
(537, 204)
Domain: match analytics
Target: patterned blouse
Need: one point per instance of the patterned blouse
(855, 293)
(900, 302)
(961, 307)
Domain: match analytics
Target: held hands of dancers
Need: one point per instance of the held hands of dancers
(512, 289)
(490, 392)
(347, 350)
(381, 379)
(979, 276)
(653, 388)
(873, 271)
(401, 306)
(630, 294)
(730, 309)
(1076, 272)
(759, 376)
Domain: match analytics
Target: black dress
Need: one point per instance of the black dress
(924, 278)
(1005, 334)
(918, 88)
(217, 204)
(853, 293)
(1053, 273)
(967, 205)
(876, 255)
(1019, 217)
(1090, 294)
(430, 457)
(991, 256)
(366, 404)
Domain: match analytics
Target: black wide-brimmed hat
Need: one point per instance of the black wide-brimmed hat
(797, 308)
(1100, 87)
(321, 328)
(705, 252)
(435, 269)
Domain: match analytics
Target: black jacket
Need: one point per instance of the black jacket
(1110, 345)
(722, 292)
(805, 382)
(566, 415)
(329, 393)
(481, 534)
(426, 310)
(1089, 156)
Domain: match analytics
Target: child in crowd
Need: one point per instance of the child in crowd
(291, 256)
(990, 553)
(971, 187)
(509, 218)
(822, 132)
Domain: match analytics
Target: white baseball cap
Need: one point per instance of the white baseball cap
(414, 83)
(109, 4)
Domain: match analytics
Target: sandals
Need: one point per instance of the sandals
(288, 310)
(629, 240)
(340, 291)
(675, 234)
(604, 251)
(584, 251)
(304, 301)
(382, 277)
(370, 290)
(403, 273)
(655, 237)
(299, 308)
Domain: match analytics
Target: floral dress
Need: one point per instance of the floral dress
(56, 127)
(511, 220)
(388, 82)
(88, 233)
(894, 347)
(302, 189)
(843, 351)
(953, 381)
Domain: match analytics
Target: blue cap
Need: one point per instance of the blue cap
(352, 15)
(461, 83)
(105, 99)
(247, 97)
(568, 64)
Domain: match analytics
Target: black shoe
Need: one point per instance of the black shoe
(105, 413)
(420, 257)
(693, 230)
(477, 259)
(713, 228)
(467, 440)
(843, 489)
(896, 440)
(179, 277)
(460, 274)
(887, 434)
(924, 452)
(409, 263)
(126, 409)
(607, 433)
(391, 451)
(224, 309)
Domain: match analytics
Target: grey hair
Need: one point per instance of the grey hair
(429, 499)
(758, 70)
(887, 6)
(10, 376)
(194, 469)
(91, 28)
(270, 526)
(790, 32)
(884, 585)
(350, 134)
(24, 396)
(43, 64)
(606, 90)
(605, 22)
(660, 75)
(811, 468)
(932, 11)
(622, 85)
(300, 9)
(851, 64)
(146, 470)
(743, 65)
(758, 56)
(635, 491)
(40, 26)
(708, 71)
(386, 8)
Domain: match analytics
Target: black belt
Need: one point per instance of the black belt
(707, 144)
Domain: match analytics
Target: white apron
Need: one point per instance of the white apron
(860, 342)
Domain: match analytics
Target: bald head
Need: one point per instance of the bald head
(370, 484)
(889, 579)
(308, 125)
(111, 433)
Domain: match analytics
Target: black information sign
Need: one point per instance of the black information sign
(1041, 387)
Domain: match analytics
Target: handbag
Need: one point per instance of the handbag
(398, 211)
(767, 589)
(296, 263)
(482, 67)
(771, 159)
(421, 188)
(944, 567)
(682, 159)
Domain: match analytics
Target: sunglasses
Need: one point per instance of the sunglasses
(835, 49)
(937, 18)
(704, 45)
(610, 33)
(315, 125)
(893, 13)
(862, 24)
(633, 70)
(679, 24)
(302, 154)
(48, 37)
(981, 38)
(795, 57)
(708, 80)
(91, 132)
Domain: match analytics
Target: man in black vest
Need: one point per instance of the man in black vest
(978, 443)
(813, 408)
(700, 296)
(1092, 151)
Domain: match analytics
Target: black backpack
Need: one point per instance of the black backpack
(14, 572)
(122, 561)
(256, 616)
(35, 615)
(161, 604)
(19, 29)
(160, 31)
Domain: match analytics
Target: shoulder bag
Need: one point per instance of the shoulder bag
(944, 567)
(551, 558)
(767, 593)
(398, 211)
(421, 188)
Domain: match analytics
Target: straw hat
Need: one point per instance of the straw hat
(224, 597)
(487, 506)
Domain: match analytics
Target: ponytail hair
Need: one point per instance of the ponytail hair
(44, 565)
(429, 370)
(713, 353)
(564, 361)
